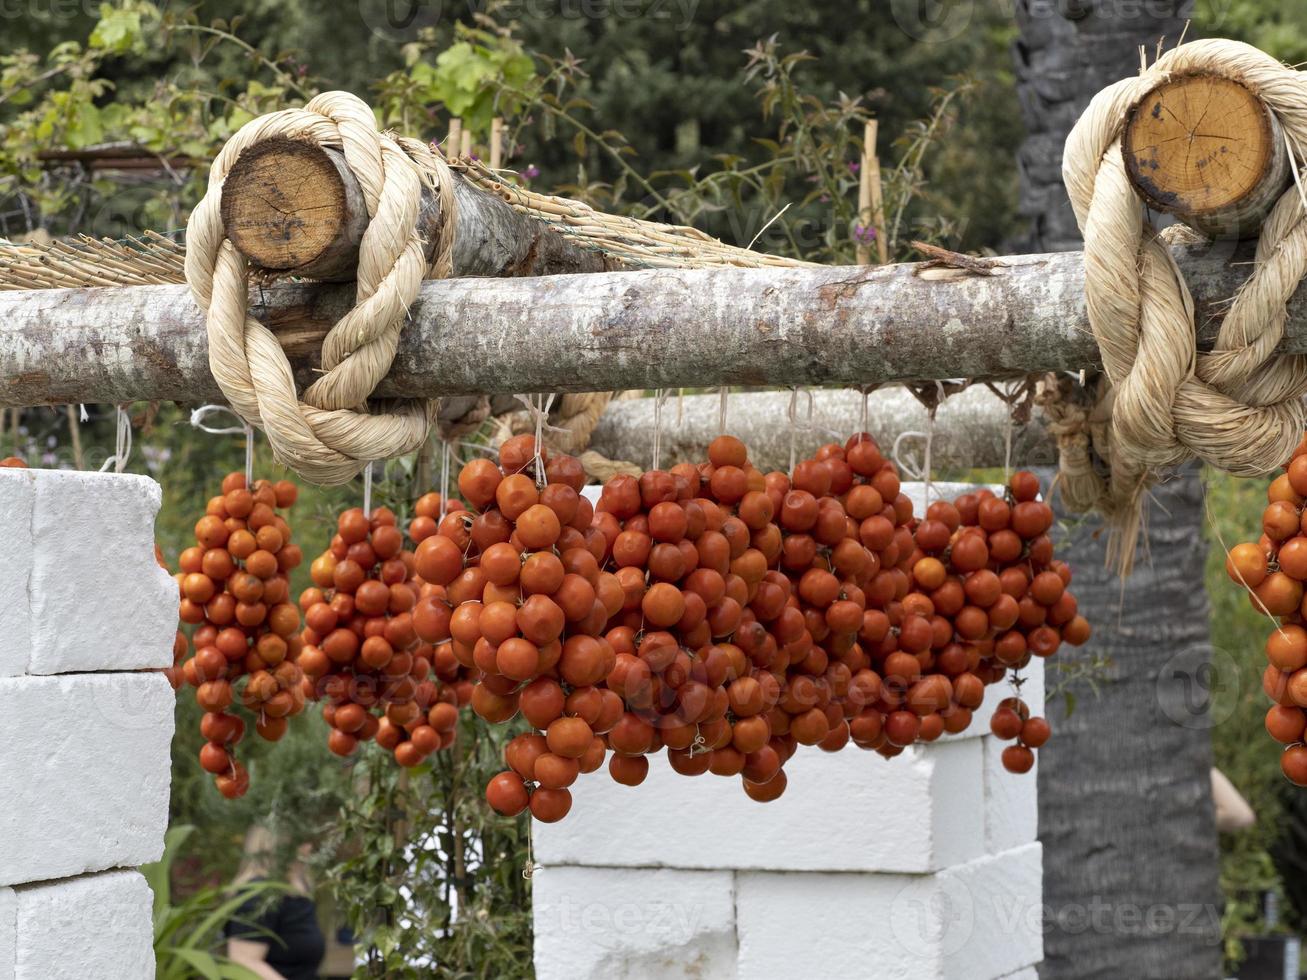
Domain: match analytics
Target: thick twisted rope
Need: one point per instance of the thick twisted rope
(1237, 407)
(330, 433)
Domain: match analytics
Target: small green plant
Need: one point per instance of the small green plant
(187, 934)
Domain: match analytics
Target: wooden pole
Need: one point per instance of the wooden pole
(296, 208)
(454, 139)
(75, 434)
(970, 427)
(1207, 150)
(871, 205)
(496, 143)
(665, 328)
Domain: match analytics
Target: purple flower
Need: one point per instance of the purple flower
(854, 166)
(864, 234)
(531, 172)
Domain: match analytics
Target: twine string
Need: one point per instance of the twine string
(122, 442)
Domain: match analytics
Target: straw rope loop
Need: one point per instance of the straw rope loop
(1239, 406)
(330, 432)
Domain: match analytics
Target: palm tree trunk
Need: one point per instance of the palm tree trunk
(1131, 885)
(1069, 50)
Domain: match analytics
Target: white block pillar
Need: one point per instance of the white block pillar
(87, 619)
(921, 867)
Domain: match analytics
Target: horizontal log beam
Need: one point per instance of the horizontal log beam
(970, 429)
(611, 330)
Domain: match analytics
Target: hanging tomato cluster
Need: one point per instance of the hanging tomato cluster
(728, 617)
(370, 626)
(709, 611)
(234, 590)
(1274, 570)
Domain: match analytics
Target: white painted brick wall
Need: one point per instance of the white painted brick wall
(17, 496)
(94, 565)
(936, 818)
(977, 921)
(85, 725)
(95, 926)
(651, 924)
(84, 773)
(8, 933)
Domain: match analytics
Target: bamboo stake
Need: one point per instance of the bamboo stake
(455, 138)
(496, 143)
(465, 148)
(75, 433)
(871, 203)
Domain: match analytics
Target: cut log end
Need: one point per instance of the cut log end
(286, 206)
(1207, 150)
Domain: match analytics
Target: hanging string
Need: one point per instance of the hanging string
(529, 871)
(204, 411)
(660, 395)
(367, 489)
(1007, 435)
(538, 406)
(908, 464)
(930, 442)
(680, 407)
(123, 443)
(721, 410)
(795, 424)
(444, 479)
(82, 415)
(862, 415)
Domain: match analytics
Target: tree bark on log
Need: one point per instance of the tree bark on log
(969, 430)
(660, 328)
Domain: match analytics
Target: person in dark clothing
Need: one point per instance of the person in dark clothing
(277, 938)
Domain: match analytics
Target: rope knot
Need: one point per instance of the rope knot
(1237, 407)
(330, 432)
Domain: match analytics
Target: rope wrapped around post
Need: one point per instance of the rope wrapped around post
(1238, 407)
(330, 432)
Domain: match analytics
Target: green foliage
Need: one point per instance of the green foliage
(1242, 750)
(187, 934)
(1278, 27)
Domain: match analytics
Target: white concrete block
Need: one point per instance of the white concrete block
(1011, 801)
(17, 495)
(100, 601)
(633, 924)
(979, 921)
(919, 812)
(916, 492)
(1004, 930)
(92, 926)
(8, 933)
(84, 773)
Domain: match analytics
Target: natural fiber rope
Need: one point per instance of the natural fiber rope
(328, 434)
(1238, 407)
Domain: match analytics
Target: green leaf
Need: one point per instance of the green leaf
(118, 30)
